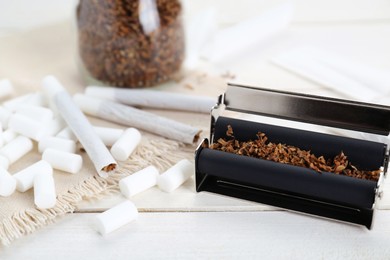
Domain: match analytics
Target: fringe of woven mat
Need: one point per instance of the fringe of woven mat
(160, 153)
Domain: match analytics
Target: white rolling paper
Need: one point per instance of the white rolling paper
(153, 99)
(7, 183)
(44, 190)
(139, 181)
(115, 217)
(175, 176)
(67, 133)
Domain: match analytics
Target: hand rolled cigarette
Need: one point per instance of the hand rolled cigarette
(153, 99)
(7, 183)
(116, 217)
(175, 176)
(98, 153)
(133, 117)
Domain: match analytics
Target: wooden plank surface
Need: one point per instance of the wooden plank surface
(217, 235)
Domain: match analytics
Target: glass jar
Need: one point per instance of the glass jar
(130, 43)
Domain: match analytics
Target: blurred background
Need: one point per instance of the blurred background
(319, 46)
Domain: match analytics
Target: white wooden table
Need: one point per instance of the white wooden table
(185, 224)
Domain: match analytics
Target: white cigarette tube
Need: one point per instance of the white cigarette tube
(6, 88)
(16, 149)
(126, 144)
(4, 117)
(57, 143)
(44, 190)
(175, 176)
(7, 183)
(153, 99)
(41, 114)
(115, 217)
(98, 153)
(9, 135)
(26, 126)
(108, 135)
(139, 181)
(63, 161)
(133, 117)
(25, 177)
(4, 163)
(66, 133)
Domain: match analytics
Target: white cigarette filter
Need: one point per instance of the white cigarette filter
(40, 114)
(25, 177)
(35, 99)
(7, 183)
(126, 144)
(98, 153)
(63, 161)
(54, 126)
(108, 135)
(4, 163)
(9, 135)
(153, 98)
(175, 176)
(16, 148)
(67, 133)
(6, 88)
(50, 87)
(44, 190)
(139, 181)
(27, 126)
(126, 115)
(56, 143)
(1, 135)
(4, 117)
(115, 217)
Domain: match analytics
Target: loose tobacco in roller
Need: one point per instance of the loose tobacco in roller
(282, 153)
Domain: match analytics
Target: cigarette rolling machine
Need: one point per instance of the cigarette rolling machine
(291, 187)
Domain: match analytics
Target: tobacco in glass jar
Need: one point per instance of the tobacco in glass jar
(130, 43)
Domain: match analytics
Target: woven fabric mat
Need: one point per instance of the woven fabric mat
(25, 59)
